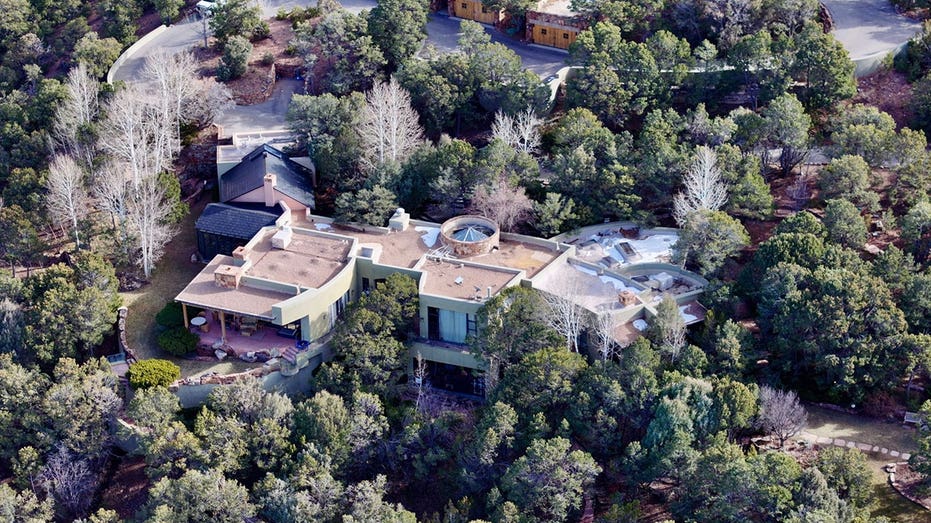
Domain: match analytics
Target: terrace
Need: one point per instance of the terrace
(453, 279)
(244, 337)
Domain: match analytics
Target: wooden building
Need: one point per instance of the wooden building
(474, 10)
(554, 24)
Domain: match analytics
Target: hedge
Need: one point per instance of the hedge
(153, 373)
(178, 341)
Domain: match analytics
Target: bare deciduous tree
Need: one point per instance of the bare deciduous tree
(75, 114)
(562, 313)
(212, 101)
(781, 414)
(603, 328)
(146, 209)
(67, 199)
(668, 328)
(390, 130)
(136, 133)
(175, 80)
(520, 132)
(505, 205)
(703, 188)
(68, 478)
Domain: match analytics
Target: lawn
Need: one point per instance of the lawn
(888, 502)
(833, 424)
(172, 274)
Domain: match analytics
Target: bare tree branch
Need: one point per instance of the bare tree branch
(562, 313)
(75, 114)
(505, 205)
(520, 132)
(67, 199)
(781, 414)
(390, 128)
(146, 211)
(703, 187)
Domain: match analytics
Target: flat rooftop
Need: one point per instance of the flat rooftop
(406, 248)
(555, 7)
(584, 286)
(204, 292)
(310, 260)
(463, 281)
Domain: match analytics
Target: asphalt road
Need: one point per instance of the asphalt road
(868, 27)
(443, 33)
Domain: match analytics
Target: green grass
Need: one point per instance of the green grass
(887, 501)
(172, 274)
(832, 424)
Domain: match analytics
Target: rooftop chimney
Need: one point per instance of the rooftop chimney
(269, 183)
(227, 276)
(241, 253)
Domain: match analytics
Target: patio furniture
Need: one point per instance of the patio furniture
(201, 323)
(248, 326)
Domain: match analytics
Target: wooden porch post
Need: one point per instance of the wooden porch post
(187, 324)
(223, 326)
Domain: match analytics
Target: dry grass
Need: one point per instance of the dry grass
(887, 502)
(172, 274)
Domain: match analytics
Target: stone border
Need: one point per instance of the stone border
(131, 50)
(897, 486)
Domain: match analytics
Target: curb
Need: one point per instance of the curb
(131, 50)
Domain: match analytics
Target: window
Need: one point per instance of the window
(542, 31)
(464, 5)
(471, 328)
(565, 36)
(338, 308)
(484, 10)
(433, 323)
(448, 326)
(366, 284)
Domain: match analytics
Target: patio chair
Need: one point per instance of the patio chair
(248, 326)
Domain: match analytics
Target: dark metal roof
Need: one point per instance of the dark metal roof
(233, 222)
(293, 179)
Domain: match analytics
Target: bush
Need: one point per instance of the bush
(153, 373)
(268, 58)
(177, 341)
(261, 31)
(172, 315)
(235, 59)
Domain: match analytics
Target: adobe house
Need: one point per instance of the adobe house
(554, 24)
(475, 10)
(296, 278)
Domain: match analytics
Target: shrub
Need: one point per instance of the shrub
(268, 58)
(153, 373)
(235, 59)
(177, 341)
(172, 315)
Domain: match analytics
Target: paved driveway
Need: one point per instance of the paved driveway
(266, 115)
(443, 34)
(869, 27)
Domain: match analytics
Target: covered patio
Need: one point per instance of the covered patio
(240, 335)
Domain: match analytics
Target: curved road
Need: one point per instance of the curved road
(443, 34)
(869, 29)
